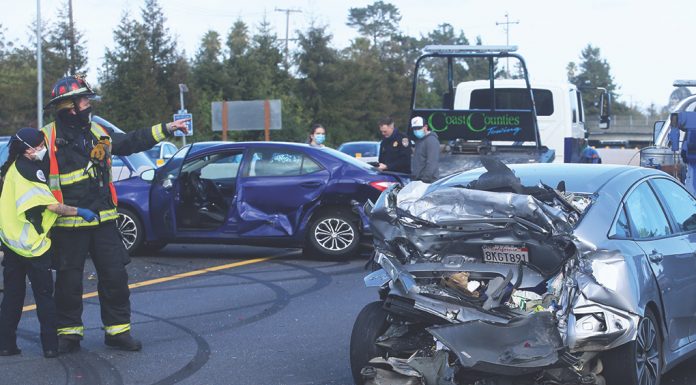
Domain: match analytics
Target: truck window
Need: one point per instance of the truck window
(513, 99)
(578, 96)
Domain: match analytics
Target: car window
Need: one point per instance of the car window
(168, 150)
(3, 152)
(678, 202)
(272, 162)
(364, 149)
(621, 228)
(645, 213)
(221, 166)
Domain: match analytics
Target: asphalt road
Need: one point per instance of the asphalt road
(206, 317)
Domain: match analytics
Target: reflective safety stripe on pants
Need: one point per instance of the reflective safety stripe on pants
(75, 330)
(116, 329)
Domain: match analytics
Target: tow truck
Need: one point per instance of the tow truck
(478, 110)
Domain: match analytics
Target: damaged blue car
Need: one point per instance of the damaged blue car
(253, 193)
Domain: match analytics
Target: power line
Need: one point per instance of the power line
(287, 28)
(506, 26)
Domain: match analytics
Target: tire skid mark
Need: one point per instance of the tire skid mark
(84, 367)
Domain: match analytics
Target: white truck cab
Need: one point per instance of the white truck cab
(559, 108)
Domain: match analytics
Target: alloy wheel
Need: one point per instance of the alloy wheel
(334, 234)
(647, 354)
(129, 230)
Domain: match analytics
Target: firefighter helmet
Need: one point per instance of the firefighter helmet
(68, 88)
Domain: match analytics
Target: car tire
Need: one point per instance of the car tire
(370, 324)
(333, 234)
(638, 362)
(131, 229)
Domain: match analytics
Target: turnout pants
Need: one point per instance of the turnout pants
(103, 243)
(17, 269)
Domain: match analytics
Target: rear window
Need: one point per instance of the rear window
(513, 99)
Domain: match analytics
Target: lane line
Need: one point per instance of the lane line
(178, 276)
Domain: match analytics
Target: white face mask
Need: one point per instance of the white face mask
(39, 154)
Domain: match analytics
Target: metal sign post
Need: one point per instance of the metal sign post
(183, 112)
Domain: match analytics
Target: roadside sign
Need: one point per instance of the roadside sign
(189, 123)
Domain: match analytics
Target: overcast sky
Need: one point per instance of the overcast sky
(647, 43)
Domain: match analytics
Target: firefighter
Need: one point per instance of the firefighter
(28, 210)
(79, 153)
(395, 148)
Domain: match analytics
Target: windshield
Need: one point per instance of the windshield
(348, 159)
(364, 149)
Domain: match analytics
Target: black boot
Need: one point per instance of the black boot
(50, 353)
(123, 341)
(68, 344)
(10, 351)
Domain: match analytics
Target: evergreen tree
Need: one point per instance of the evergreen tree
(209, 76)
(131, 94)
(378, 21)
(591, 72)
(65, 47)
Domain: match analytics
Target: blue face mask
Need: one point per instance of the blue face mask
(419, 133)
(319, 138)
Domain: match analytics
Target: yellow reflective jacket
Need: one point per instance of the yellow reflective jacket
(19, 195)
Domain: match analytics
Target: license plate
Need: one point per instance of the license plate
(505, 254)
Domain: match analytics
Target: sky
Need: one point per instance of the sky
(645, 42)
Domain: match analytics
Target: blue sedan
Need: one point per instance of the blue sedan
(255, 193)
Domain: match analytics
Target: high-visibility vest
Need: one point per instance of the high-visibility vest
(55, 178)
(18, 196)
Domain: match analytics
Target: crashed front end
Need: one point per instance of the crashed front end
(490, 287)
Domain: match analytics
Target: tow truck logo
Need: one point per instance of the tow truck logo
(476, 122)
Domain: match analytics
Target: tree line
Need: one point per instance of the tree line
(347, 90)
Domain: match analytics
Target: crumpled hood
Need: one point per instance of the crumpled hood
(424, 223)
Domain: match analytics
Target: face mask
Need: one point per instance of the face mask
(85, 116)
(39, 154)
(319, 138)
(419, 133)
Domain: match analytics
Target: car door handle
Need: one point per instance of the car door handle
(655, 256)
(311, 184)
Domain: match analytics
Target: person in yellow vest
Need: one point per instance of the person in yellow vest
(79, 152)
(28, 210)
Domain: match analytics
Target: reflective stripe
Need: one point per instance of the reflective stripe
(23, 248)
(79, 330)
(74, 177)
(158, 132)
(116, 329)
(30, 194)
(77, 221)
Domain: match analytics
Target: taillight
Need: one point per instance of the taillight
(381, 185)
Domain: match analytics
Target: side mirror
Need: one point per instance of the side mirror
(148, 175)
(657, 128)
(604, 110)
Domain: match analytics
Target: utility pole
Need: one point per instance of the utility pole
(39, 70)
(71, 36)
(506, 26)
(287, 29)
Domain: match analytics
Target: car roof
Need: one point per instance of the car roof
(211, 145)
(578, 177)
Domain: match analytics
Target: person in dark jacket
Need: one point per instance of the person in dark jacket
(79, 152)
(426, 156)
(395, 148)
